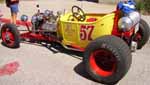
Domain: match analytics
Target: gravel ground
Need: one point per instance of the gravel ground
(39, 65)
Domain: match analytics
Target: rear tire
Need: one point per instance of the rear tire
(107, 59)
(10, 36)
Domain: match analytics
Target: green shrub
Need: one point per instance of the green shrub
(140, 6)
(143, 6)
(147, 5)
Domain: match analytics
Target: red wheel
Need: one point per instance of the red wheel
(107, 59)
(103, 62)
(10, 36)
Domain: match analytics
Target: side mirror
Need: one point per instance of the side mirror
(24, 18)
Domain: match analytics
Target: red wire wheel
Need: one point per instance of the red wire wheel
(10, 36)
(103, 62)
(107, 59)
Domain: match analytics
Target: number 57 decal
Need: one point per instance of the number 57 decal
(86, 32)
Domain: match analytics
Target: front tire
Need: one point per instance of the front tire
(107, 59)
(143, 34)
(10, 36)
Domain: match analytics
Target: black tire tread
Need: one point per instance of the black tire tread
(15, 31)
(146, 33)
(118, 46)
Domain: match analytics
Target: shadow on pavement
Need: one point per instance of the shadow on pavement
(58, 48)
(80, 70)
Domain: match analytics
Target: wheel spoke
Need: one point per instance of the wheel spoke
(3, 36)
(8, 37)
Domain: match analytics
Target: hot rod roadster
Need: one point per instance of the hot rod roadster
(107, 40)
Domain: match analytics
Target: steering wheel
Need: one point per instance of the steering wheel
(78, 13)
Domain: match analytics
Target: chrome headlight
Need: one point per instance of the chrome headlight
(135, 17)
(24, 18)
(127, 22)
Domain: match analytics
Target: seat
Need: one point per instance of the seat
(91, 19)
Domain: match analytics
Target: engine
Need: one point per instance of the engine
(127, 22)
(46, 21)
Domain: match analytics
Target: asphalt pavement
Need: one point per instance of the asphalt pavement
(43, 65)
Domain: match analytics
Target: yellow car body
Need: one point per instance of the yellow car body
(81, 33)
